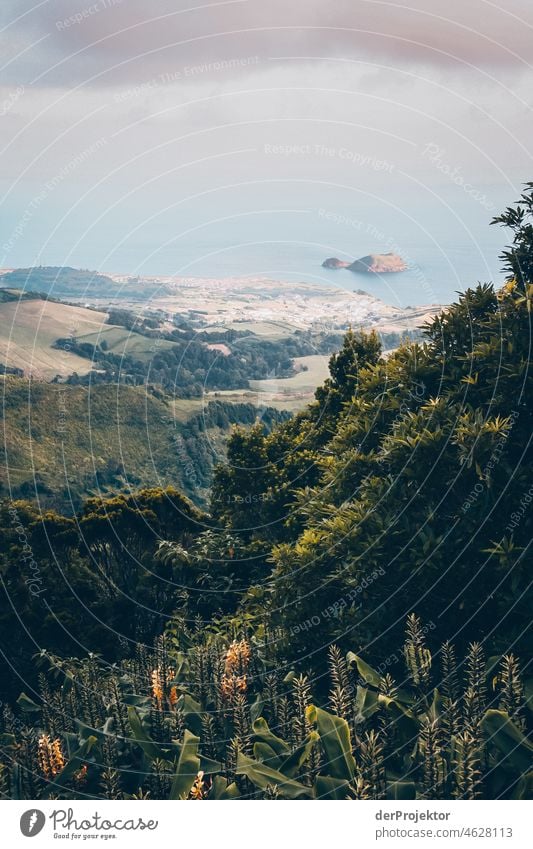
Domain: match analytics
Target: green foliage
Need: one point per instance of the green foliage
(418, 488)
(110, 440)
(144, 730)
(405, 486)
(184, 363)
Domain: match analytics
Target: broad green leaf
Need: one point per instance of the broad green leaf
(209, 766)
(27, 705)
(437, 705)
(501, 732)
(404, 719)
(330, 788)
(256, 709)
(296, 760)
(401, 790)
(192, 712)
(102, 733)
(267, 755)
(335, 738)
(263, 734)
(187, 768)
(150, 749)
(365, 671)
(222, 790)
(263, 776)
(366, 702)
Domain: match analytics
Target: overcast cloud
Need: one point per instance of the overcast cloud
(148, 102)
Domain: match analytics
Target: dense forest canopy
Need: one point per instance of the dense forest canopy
(282, 666)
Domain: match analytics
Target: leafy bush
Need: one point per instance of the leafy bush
(217, 722)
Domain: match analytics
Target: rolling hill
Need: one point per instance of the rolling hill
(30, 326)
(62, 443)
(66, 282)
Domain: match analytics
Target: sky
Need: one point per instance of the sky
(125, 124)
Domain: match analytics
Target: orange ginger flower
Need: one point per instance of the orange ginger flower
(234, 680)
(231, 685)
(50, 756)
(198, 787)
(161, 688)
(237, 657)
(157, 687)
(81, 775)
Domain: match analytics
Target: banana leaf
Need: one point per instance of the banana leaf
(502, 733)
(192, 713)
(401, 790)
(263, 734)
(293, 764)
(266, 754)
(330, 788)
(222, 790)
(187, 768)
(263, 776)
(366, 702)
(27, 705)
(152, 750)
(335, 738)
(365, 671)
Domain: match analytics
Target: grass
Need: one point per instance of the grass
(61, 443)
(290, 393)
(266, 330)
(314, 370)
(121, 341)
(29, 328)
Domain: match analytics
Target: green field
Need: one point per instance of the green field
(61, 443)
(268, 330)
(29, 329)
(121, 341)
(313, 370)
(290, 393)
(74, 441)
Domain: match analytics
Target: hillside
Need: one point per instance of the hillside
(62, 443)
(352, 619)
(65, 282)
(30, 327)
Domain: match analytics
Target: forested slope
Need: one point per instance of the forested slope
(351, 620)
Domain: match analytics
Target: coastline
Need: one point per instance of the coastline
(232, 301)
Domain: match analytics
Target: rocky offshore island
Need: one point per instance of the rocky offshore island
(371, 264)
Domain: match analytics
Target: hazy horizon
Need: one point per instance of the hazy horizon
(161, 142)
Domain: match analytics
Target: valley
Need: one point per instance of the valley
(112, 382)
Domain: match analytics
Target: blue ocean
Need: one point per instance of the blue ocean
(285, 232)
